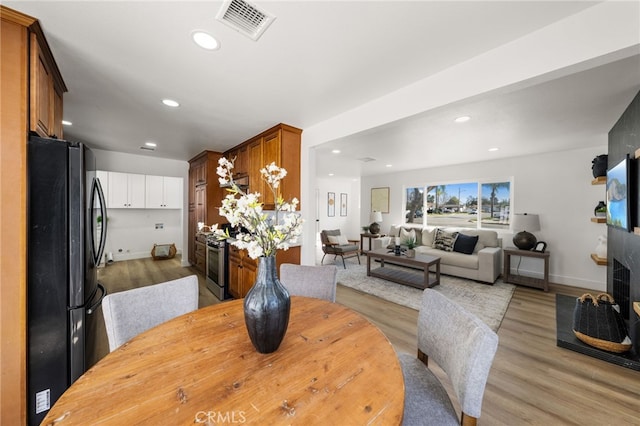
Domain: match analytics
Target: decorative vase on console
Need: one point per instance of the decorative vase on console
(601, 248)
(267, 305)
(600, 210)
(599, 165)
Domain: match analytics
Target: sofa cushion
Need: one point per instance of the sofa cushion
(465, 243)
(444, 240)
(452, 258)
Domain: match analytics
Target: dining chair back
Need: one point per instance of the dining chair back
(310, 281)
(464, 347)
(130, 312)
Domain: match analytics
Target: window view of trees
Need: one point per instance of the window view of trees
(415, 205)
(473, 204)
(496, 198)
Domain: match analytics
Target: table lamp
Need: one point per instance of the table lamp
(375, 218)
(523, 223)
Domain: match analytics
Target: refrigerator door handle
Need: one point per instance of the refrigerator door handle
(97, 189)
(93, 307)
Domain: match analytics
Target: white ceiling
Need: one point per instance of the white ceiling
(316, 61)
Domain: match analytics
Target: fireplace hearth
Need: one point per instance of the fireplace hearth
(566, 339)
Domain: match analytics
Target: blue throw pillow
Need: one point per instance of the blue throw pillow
(465, 243)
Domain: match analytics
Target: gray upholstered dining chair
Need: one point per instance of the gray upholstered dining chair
(310, 281)
(337, 245)
(130, 312)
(464, 347)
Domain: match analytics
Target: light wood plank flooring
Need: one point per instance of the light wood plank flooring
(532, 381)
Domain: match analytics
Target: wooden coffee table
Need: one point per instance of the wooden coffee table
(408, 276)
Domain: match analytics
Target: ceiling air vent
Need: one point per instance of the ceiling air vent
(245, 18)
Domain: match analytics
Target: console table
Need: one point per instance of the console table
(510, 277)
(370, 237)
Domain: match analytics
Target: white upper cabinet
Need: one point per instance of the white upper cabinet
(163, 192)
(126, 191)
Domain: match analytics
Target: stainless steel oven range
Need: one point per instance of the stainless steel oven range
(217, 268)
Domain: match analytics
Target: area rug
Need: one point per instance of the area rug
(488, 302)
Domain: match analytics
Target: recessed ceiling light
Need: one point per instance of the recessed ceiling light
(336, 151)
(330, 174)
(462, 119)
(388, 165)
(205, 40)
(493, 149)
(152, 144)
(170, 103)
(66, 123)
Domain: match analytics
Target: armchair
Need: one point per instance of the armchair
(338, 245)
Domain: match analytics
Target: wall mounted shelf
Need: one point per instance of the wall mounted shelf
(599, 219)
(599, 260)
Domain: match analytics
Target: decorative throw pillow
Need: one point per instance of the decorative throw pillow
(338, 239)
(427, 237)
(444, 240)
(405, 235)
(465, 243)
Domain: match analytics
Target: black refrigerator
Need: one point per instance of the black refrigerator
(66, 237)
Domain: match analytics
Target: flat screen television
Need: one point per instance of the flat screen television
(618, 206)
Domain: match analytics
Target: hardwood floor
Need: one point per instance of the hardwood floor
(532, 381)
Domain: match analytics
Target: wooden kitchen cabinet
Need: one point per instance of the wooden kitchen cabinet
(243, 270)
(205, 196)
(241, 156)
(46, 89)
(200, 256)
(256, 184)
(279, 144)
(163, 192)
(16, 30)
(126, 191)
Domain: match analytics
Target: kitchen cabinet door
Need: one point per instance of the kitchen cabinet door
(172, 192)
(126, 191)
(256, 184)
(46, 93)
(163, 192)
(235, 274)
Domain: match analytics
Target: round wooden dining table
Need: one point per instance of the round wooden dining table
(333, 367)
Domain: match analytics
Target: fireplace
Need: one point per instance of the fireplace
(621, 288)
(567, 339)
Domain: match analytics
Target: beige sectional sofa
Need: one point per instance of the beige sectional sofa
(467, 253)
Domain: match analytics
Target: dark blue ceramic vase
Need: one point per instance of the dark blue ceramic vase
(266, 308)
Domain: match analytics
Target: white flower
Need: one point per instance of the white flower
(265, 233)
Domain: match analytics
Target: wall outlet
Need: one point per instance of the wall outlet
(159, 225)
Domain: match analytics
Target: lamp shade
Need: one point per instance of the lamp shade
(523, 223)
(526, 222)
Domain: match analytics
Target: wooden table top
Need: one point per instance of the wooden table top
(333, 367)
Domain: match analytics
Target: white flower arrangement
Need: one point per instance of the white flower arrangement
(267, 232)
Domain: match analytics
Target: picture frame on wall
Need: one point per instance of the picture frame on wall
(343, 204)
(380, 200)
(331, 204)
